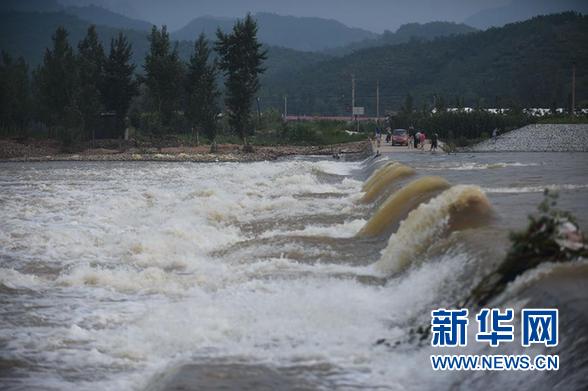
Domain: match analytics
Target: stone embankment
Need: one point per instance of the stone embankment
(539, 138)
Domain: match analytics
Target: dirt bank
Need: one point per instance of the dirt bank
(48, 150)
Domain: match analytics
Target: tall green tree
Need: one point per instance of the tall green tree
(163, 74)
(119, 85)
(241, 58)
(408, 106)
(91, 61)
(58, 84)
(201, 91)
(15, 99)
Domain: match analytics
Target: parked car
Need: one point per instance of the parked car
(400, 137)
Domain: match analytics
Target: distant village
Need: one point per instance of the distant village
(533, 112)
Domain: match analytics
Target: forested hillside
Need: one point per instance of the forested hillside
(104, 17)
(518, 10)
(27, 34)
(300, 33)
(527, 63)
(406, 33)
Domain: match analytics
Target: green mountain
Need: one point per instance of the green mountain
(283, 60)
(104, 17)
(91, 13)
(30, 5)
(406, 33)
(528, 63)
(518, 10)
(27, 34)
(300, 33)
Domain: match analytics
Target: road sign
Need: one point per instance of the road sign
(358, 110)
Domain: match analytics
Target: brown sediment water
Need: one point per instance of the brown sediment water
(401, 202)
(459, 207)
(385, 178)
(375, 175)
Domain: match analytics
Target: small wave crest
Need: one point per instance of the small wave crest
(459, 207)
(469, 166)
(401, 202)
(13, 279)
(383, 178)
(533, 189)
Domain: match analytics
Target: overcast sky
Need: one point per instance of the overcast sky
(374, 15)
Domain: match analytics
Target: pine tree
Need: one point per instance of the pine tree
(241, 59)
(119, 85)
(91, 61)
(163, 74)
(408, 107)
(201, 90)
(15, 99)
(58, 84)
(440, 104)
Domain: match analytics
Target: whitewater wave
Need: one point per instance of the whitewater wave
(469, 166)
(401, 202)
(14, 279)
(544, 271)
(456, 208)
(533, 189)
(131, 280)
(344, 230)
(377, 173)
(389, 174)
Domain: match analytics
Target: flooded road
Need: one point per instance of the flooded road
(134, 276)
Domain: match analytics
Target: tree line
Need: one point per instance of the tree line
(73, 92)
(526, 64)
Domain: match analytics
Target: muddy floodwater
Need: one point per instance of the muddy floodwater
(152, 276)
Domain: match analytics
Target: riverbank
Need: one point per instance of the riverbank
(538, 138)
(48, 150)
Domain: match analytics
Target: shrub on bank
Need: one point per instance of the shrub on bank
(462, 128)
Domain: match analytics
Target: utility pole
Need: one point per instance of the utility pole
(285, 108)
(352, 94)
(378, 101)
(258, 111)
(574, 89)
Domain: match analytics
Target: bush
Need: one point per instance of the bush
(462, 127)
(68, 137)
(307, 133)
(552, 235)
(149, 122)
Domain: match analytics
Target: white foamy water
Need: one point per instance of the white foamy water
(469, 166)
(112, 274)
(423, 226)
(534, 189)
(344, 230)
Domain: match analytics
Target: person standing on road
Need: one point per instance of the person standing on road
(417, 139)
(495, 134)
(434, 141)
(422, 140)
(379, 137)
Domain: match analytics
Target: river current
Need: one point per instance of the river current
(119, 276)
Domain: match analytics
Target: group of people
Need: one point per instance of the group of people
(419, 138)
